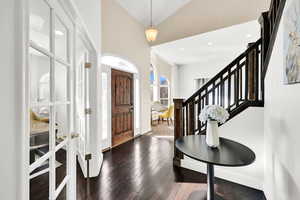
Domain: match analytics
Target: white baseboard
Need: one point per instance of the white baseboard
(226, 173)
(267, 193)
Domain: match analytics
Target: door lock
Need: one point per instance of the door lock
(74, 135)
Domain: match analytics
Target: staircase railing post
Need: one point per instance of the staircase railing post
(265, 38)
(191, 119)
(252, 68)
(178, 128)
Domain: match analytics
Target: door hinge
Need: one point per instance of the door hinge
(88, 111)
(88, 65)
(88, 156)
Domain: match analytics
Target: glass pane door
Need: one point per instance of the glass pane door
(82, 100)
(50, 101)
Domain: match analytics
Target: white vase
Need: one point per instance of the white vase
(212, 134)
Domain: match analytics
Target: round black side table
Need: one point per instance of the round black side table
(229, 153)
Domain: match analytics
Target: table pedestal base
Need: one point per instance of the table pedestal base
(229, 153)
(202, 195)
(210, 193)
(210, 184)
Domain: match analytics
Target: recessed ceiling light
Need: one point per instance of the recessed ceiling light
(60, 33)
(210, 43)
(248, 35)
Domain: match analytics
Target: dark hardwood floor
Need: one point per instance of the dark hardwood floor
(162, 130)
(39, 186)
(142, 169)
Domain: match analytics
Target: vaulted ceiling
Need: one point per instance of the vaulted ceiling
(177, 19)
(221, 46)
(162, 9)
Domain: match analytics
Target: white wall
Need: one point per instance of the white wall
(11, 102)
(282, 135)
(188, 73)
(163, 69)
(246, 128)
(202, 16)
(175, 85)
(90, 12)
(124, 37)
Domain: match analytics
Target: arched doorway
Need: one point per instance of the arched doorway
(110, 64)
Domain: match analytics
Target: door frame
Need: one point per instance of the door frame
(137, 99)
(22, 38)
(106, 143)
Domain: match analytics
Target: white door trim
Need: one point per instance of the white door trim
(137, 100)
(107, 143)
(22, 38)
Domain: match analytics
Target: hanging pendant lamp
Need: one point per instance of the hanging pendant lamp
(151, 32)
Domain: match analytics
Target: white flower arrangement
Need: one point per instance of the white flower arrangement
(215, 113)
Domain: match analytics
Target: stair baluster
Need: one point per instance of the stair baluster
(236, 87)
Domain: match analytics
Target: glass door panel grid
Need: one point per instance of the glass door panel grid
(54, 103)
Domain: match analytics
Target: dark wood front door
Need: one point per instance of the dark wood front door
(122, 106)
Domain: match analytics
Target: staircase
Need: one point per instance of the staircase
(238, 86)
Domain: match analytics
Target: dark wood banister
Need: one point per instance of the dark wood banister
(253, 88)
(235, 87)
(223, 71)
(270, 21)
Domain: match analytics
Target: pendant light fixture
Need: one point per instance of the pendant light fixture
(151, 32)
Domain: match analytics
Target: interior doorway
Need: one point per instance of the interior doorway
(122, 106)
(120, 101)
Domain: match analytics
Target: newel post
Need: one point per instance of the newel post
(178, 128)
(252, 73)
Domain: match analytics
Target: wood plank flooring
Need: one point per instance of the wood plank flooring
(142, 169)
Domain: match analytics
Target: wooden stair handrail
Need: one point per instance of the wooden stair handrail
(270, 22)
(222, 71)
(236, 87)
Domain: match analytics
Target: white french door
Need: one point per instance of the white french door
(82, 66)
(52, 172)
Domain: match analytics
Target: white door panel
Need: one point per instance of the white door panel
(82, 101)
(51, 146)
